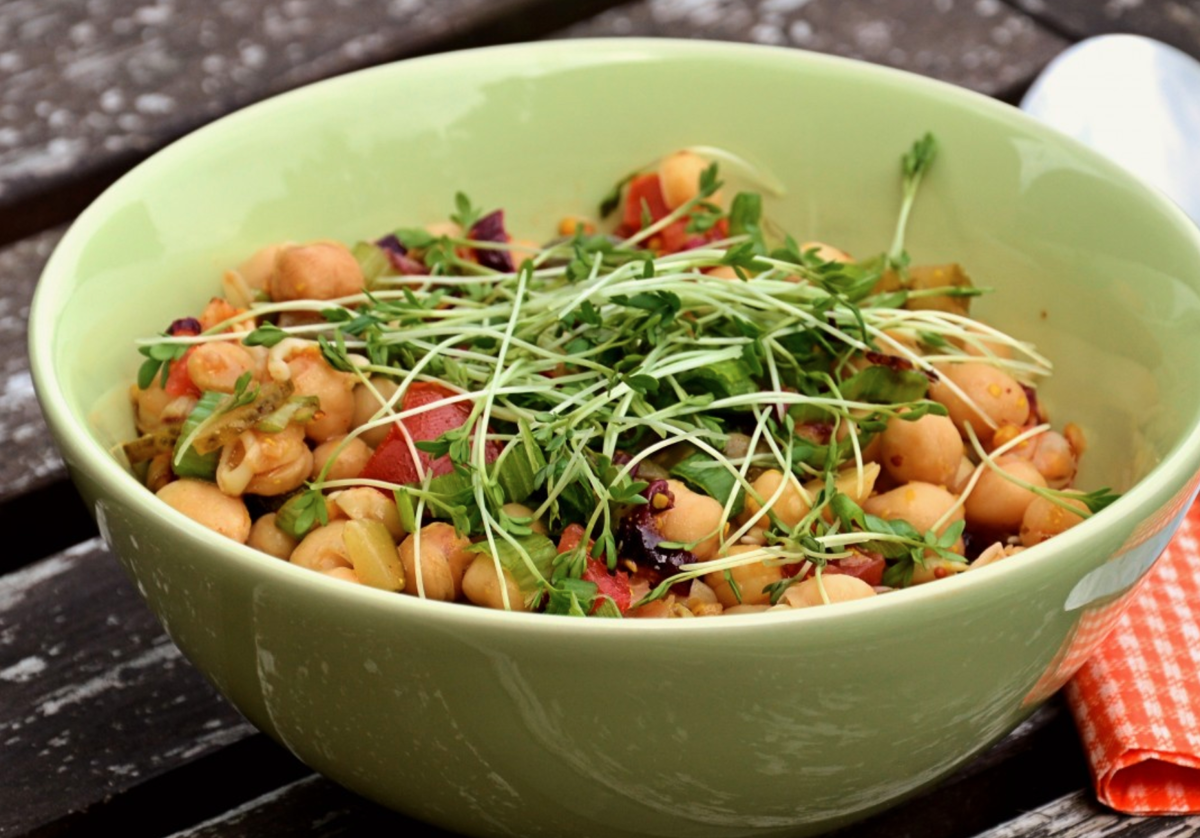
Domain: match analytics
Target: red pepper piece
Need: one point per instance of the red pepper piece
(868, 568)
(615, 586)
(179, 380)
(570, 539)
(644, 188)
(393, 461)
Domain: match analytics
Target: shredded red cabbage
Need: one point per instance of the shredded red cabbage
(397, 255)
(638, 536)
(185, 326)
(490, 228)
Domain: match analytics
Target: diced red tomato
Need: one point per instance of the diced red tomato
(867, 568)
(570, 539)
(393, 462)
(179, 380)
(673, 237)
(644, 188)
(615, 586)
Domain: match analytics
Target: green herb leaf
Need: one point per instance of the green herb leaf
(268, 334)
(465, 213)
(706, 475)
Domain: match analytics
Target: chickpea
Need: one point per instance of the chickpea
(313, 376)
(791, 506)
(920, 504)
(481, 585)
(998, 398)
(267, 537)
(317, 271)
(206, 504)
(1044, 519)
(366, 405)
(323, 548)
(997, 504)
(256, 271)
(679, 174)
(838, 587)
(693, 518)
(444, 559)
(1050, 452)
(364, 502)
(928, 449)
(350, 460)
(750, 580)
(927, 277)
(218, 366)
(827, 252)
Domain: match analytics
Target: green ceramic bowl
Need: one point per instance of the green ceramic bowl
(503, 724)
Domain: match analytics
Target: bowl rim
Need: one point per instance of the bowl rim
(82, 451)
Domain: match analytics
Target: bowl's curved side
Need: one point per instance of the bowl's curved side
(479, 721)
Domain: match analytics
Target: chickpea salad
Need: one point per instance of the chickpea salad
(672, 409)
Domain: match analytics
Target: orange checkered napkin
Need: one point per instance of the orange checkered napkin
(1137, 699)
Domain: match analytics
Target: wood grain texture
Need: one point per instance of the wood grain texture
(94, 84)
(30, 459)
(980, 44)
(1078, 815)
(309, 808)
(94, 698)
(1177, 22)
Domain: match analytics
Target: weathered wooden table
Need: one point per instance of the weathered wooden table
(102, 723)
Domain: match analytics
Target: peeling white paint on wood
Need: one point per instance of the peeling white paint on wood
(14, 587)
(23, 670)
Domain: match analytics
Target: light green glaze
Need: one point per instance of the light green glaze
(499, 724)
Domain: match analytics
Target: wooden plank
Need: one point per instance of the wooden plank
(1078, 815)
(32, 475)
(94, 699)
(90, 88)
(1173, 21)
(984, 45)
(312, 807)
(30, 457)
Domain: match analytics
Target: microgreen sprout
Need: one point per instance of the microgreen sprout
(593, 363)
